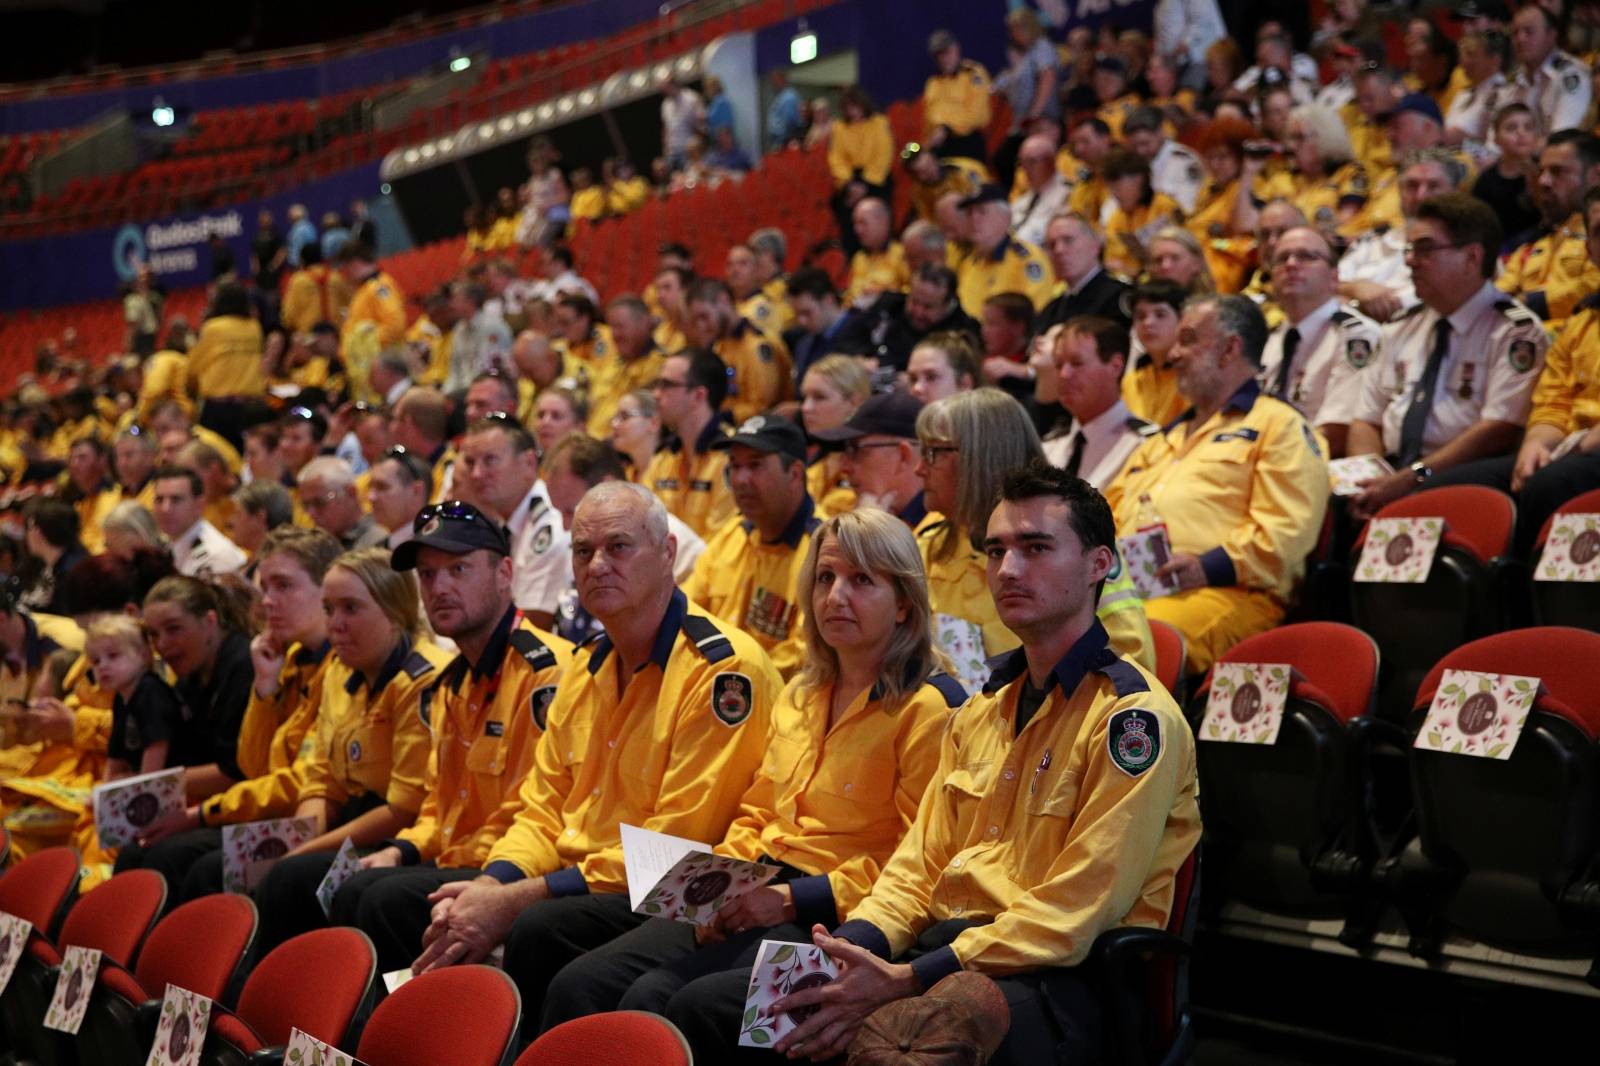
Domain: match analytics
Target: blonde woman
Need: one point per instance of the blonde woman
(129, 527)
(970, 442)
(854, 740)
(559, 410)
(833, 388)
(363, 778)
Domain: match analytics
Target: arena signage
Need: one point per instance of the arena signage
(173, 247)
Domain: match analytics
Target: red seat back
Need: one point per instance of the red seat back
(1567, 660)
(116, 916)
(464, 1015)
(1169, 655)
(38, 885)
(1476, 518)
(314, 982)
(198, 946)
(624, 1037)
(1337, 664)
(1583, 503)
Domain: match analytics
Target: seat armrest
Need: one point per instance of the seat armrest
(267, 1056)
(1121, 945)
(146, 1019)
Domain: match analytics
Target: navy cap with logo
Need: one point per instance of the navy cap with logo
(454, 526)
(986, 194)
(1419, 104)
(768, 433)
(890, 414)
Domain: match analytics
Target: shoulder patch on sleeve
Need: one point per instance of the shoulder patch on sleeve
(1034, 271)
(1311, 438)
(541, 540)
(539, 704)
(531, 648)
(954, 695)
(1133, 740)
(707, 638)
(732, 697)
(1124, 677)
(425, 706)
(416, 665)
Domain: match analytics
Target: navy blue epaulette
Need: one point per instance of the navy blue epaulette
(531, 648)
(707, 638)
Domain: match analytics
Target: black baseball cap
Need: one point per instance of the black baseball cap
(988, 193)
(454, 526)
(767, 433)
(892, 414)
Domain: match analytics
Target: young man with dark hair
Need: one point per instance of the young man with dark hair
(1089, 356)
(760, 372)
(1063, 805)
(198, 547)
(687, 473)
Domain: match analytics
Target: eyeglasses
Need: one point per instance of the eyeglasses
(931, 452)
(854, 448)
(1299, 255)
(1423, 249)
(623, 416)
(663, 383)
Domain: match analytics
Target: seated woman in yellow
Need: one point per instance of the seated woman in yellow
(854, 740)
(970, 441)
(832, 389)
(290, 658)
(362, 778)
(1329, 184)
(1138, 212)
(1226, 215)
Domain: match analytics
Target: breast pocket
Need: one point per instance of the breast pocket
(1056, 796)
(487, 756)
(963, 790)
(867, 784)
(782, 760)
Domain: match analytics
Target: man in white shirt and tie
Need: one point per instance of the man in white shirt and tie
(1090, 354)
(1046, 192)
(198, 547)
(1551, 82)
(1315, 359)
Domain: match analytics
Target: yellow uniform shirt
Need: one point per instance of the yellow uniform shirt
(669, 338)
(613, 379)
(1129, 233)
(828, 488)
(1550, 275)
(589, 203)
(1075, 826)
(958, 101)
(690, 483)
(1015, 266)
(753, 583)
(226, 358)
(1320, 198)
(835, 800)
(376, 320)
(272, 737)
(629, 195)
(370, 738)
(92, 511)
(42, 634)
(673, 753)
(230, 455)
(1116, 112)
(878, 272)
(485, 724)
(1245, 492)
(318, 293)
(166, 377)
(1567, 395)
(1368, 139)
(1088, 197)
(502, 235)
(1151, 391)
(957, 174)
(861, 151)
(762, 374)
(767, 314)
(583, 359)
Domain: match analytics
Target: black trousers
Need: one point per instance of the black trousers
(552, 933)
(1541, 494)
(287, 899)
(599, 980)
(391, 906)
(1055, 1014)
(969, 145)
(173, 858)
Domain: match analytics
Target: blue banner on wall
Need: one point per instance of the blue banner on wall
(78, 267)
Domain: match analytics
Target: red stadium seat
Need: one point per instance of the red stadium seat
(1169, 657)
(464, 1015)
(38, 887)
(1567, 603)
(1286, 823)
(1146, 986)
(1523, 879)
(199, 946)
(315, 982)
(1462, 598)
(622, 1038)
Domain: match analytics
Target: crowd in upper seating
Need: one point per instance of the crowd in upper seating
(475, 579)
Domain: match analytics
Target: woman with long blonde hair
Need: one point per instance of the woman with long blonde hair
(854, 741)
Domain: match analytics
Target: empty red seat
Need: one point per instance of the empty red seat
(314, 982)
(1567, 603)
(463, 1015)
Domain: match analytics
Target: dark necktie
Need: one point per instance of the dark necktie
(1291, 344)
(1415, 423)
(1075, 459)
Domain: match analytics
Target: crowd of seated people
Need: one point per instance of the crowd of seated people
(821, 571)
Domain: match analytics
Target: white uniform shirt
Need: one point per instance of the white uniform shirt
(1337, 345)
(1108, 439)
(1471, 110)
(1335, 94)
(204, 549)
(1381, 258)
(1031, 211)
(1496, 351)
(690, 547)
(1558, 92)
(1176, 171)
(541, 552)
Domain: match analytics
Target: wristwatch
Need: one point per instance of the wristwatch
(1421, 471)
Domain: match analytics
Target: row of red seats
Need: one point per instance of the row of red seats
(18, 151)
(321, 983)
(227, 129)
